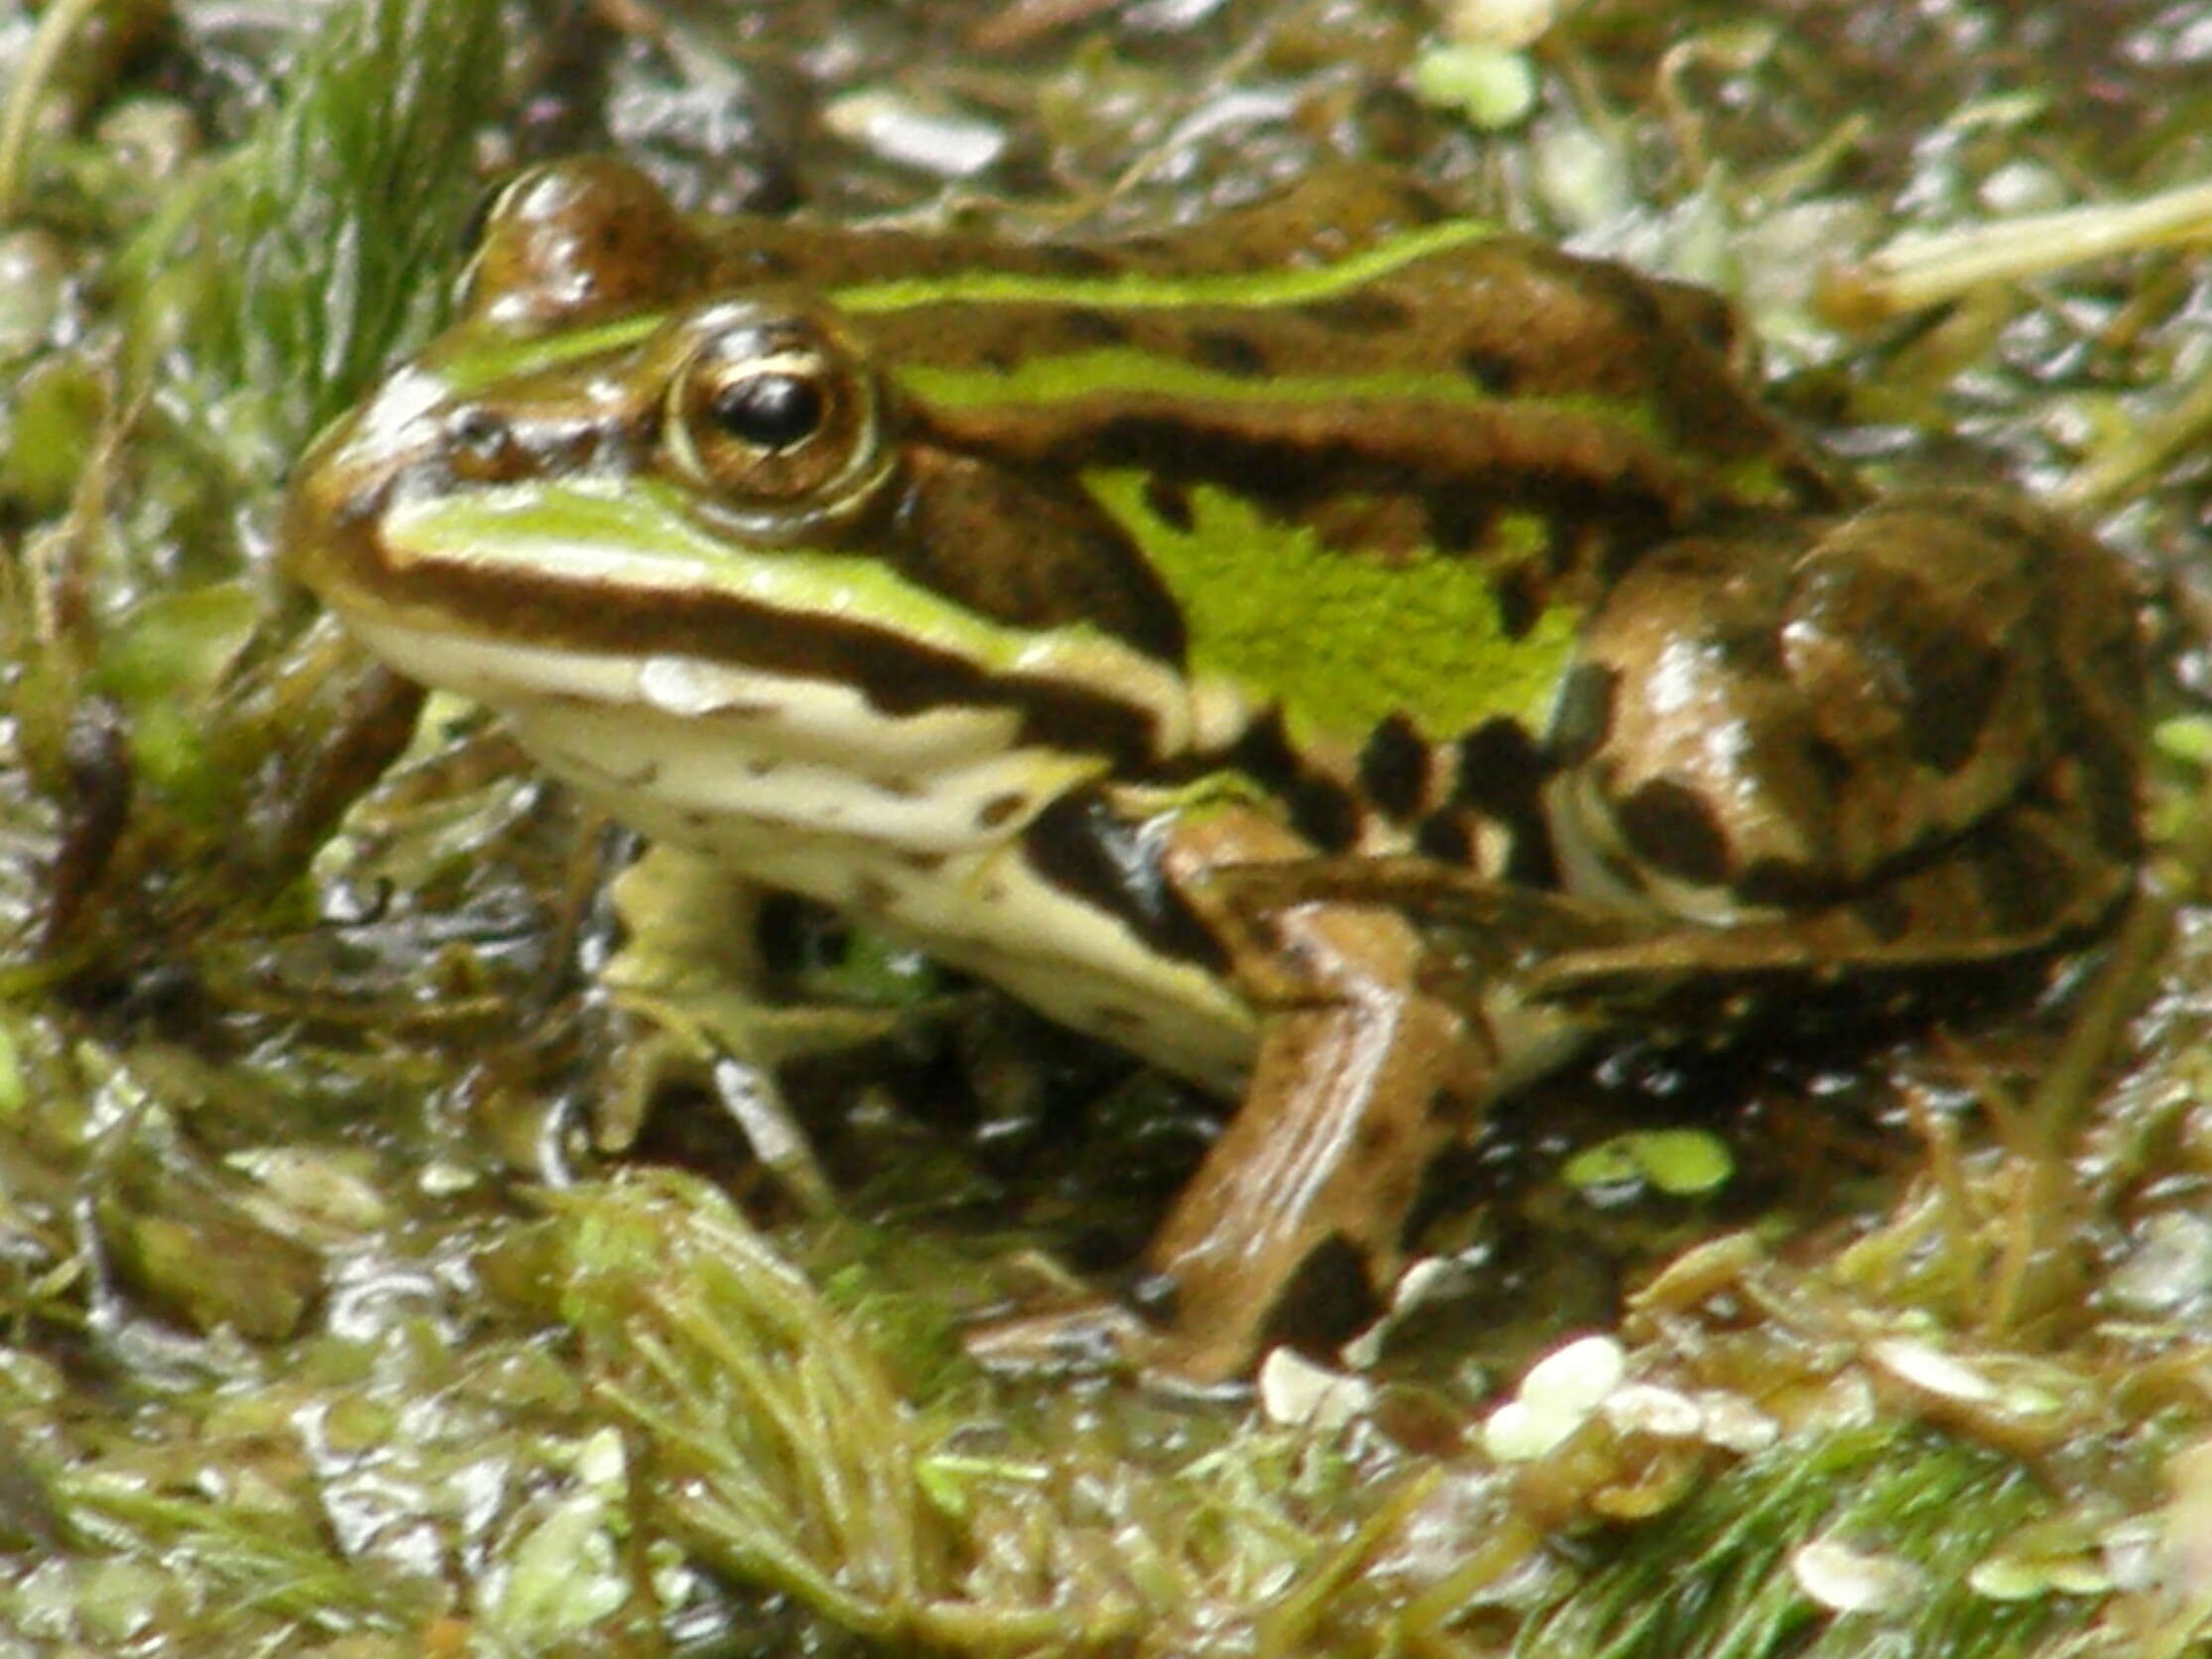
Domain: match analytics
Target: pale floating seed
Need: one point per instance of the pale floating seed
(1514, 1434)
(1502, 23)
(1293, 1390)
(1578, 1376)
(1734, 1424)
(1555, 1399)
(2130, 1551)
(2169, 1267)
(1648, 1408)
(2005, 1579)
(950, 146)
(1932, 1372)
(1850, 1581)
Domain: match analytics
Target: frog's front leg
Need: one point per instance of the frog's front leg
(1360, 1079)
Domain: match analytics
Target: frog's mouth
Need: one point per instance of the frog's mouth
(700, 751)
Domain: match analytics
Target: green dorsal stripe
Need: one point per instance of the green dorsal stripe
(489, 361)
(1044, 379)
(1142, 290)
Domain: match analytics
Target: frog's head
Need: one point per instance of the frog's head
(593, 354)
(635, 448)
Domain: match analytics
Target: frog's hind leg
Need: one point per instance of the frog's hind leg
(1913, 738)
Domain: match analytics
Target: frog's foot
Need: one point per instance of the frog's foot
(1291, 1224)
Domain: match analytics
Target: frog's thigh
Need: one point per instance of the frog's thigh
(1759, 729)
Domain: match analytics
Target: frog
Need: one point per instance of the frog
(1351, 656)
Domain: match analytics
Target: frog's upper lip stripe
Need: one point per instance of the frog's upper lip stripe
(898, 674)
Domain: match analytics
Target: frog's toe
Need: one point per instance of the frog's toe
(1101, 1338)
(1091, 1337)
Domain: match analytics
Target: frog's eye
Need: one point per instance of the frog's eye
(770, 411)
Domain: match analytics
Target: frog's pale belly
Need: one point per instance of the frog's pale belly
(934, 858)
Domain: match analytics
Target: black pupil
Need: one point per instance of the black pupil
(770, 412)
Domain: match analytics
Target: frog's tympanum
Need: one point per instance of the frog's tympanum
(1345, 656)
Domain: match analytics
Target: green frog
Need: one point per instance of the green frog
(1346, 654)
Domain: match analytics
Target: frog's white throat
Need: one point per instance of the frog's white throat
(705, 752)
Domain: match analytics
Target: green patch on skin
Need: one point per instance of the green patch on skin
(1341, 638)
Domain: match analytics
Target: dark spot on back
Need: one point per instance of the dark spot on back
(1583, 717)
(1518, 603)
(1501, 776)
(1956, 684)
(1445, 837)
(1363, 311)
(1491, 372)
(1227, 352)
(1500, 770)
(1459, 520)
(1264, 753)
(1394, 768)
(1074, 259)
(1884, 915)
(1530, 857)
(1670, 829)
(1168, 502)
(1325, 812)
(999, 808)
(1081, 326)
